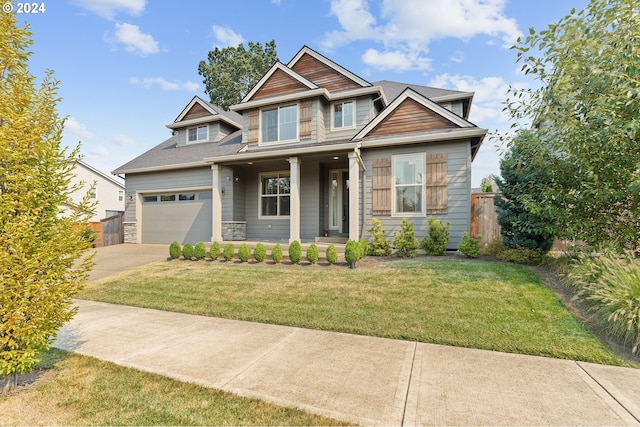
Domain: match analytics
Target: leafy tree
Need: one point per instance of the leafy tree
(585, 113)
(43, 258)
(231, 72)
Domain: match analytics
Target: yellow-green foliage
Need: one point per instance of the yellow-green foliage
(276, 253)
(227, 252)
(199, 251)
(313, 253)
(260, 252)
(43, 257)
(332, 254)
(214, 251)
(244, 252)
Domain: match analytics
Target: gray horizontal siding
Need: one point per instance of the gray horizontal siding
(364, 114)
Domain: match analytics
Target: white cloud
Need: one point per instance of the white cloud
(226, 37)
(74, 129)
(164, 84)
(108, 8)
(134, 40)
(398, 61)
(124, 140)
(99, 151)
(457, 56)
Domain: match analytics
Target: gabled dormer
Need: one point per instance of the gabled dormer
(202, 122)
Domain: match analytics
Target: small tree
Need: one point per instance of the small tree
(405, 241)
(227, 252)
(276, 253)
(332, 254)
(437, 238)
(260, 252)
(313, 253)
(175, 250)
(379, 246)
(199, 251)
(244, 252)
(214, 251)
(295, 252)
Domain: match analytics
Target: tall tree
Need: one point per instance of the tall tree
(42, 253)
(587, 113)
(231, 72)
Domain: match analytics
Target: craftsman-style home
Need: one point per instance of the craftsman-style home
(313, 150)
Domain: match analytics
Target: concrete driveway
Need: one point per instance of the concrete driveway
(114, 259)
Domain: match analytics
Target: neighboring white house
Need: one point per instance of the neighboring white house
(108, 193)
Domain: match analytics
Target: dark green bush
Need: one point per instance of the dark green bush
(332, 254)
(214, 251)
(437, 238)
(405, 240)
(276, 253)
(469, 247)
(378, 245)
(259, 252)
(313, 253)
(187, 251)
(199, 251)
(352, 253)
(175, 250)
(295, 252)
(89, 235)
(227, 252)
(244, 252)
(522, 256)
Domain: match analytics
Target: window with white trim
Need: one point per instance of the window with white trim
(198, 134)
(343, 115)
(280, 124)
(121, 195)
(275, 190)
(408, 184)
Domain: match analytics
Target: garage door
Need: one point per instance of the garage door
(183, 217)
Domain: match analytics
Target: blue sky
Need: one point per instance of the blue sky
(128, 67)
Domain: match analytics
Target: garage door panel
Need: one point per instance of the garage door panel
(182, 221)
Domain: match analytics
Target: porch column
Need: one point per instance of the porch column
(294, 215)
(216, 217)
(354, 196)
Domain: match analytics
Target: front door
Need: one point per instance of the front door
(339, 201)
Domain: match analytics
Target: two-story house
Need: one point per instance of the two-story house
(312, 150)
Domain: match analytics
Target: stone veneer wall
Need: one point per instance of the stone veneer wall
(234, 230)
(130, 232)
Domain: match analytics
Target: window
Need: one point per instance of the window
(150, 199)
(201, 133)
(121, 195)
(188, 196)
(274, 194)
(408, 184)
(280, 124)
(168, 198)
(343, 115)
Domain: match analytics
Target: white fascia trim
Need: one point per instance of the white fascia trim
(274, 68)
(352, 93)
(447, 135)
(329, 63)
(201, 120)
(191, 104)
(294, 151)
(198, 164)
(453, 97)
(296, 96)
(102, 174)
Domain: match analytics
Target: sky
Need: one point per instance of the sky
(127, 68)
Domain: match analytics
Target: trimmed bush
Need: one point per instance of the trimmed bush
(332, 254)
(214, 251)
(227, 252)
(187, 251)
(175, 250)
(522, 256)
(405, 240)
(244, 252)
(295, 252)
(438, 237)
(362, 248)
(313, 253)
(469, 247)
(259, 252)
(276, 253)
(378, 245)
(199, 251)
(352, 253)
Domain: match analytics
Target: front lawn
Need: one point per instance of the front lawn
(485, 305)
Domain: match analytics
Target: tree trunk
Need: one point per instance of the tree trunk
(8, 382)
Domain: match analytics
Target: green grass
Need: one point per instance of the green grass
(86, 391)
(493, 306)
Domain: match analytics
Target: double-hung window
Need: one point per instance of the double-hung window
(280, 124)
(343, 115)
(408, 184)
(198, 134)
(275, 190)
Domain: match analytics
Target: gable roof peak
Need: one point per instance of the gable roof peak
(306, 50)
(275, 67)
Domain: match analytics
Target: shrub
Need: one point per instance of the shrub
(437, 238)
(469, 247)
(187, 251)
(199, 251)
(352, 253)
(244, 252)
(214, 251)
(611, 285)
(89, 236)
(313, 253)
(175, 250)
(259, 252)
(295, 252)
(227, 252)
(378, 245)
(363, 247)
(276, 253)
(332, 254)
(493, 247)
(405, 241)
(522, 256)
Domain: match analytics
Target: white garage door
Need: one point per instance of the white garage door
(182, 217)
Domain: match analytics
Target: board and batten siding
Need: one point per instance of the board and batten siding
(458, 190)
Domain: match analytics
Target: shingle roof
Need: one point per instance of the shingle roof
(393, 89)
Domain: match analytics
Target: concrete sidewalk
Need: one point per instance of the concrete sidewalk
(367, 380)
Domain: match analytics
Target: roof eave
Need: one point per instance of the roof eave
(287, 152)
(190, 165)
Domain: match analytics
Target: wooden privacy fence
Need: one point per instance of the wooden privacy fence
(484, 219)
(112, 230)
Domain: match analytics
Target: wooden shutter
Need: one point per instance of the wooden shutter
(254, 126)
(382, 186)
(305, 119)
(437, 184)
